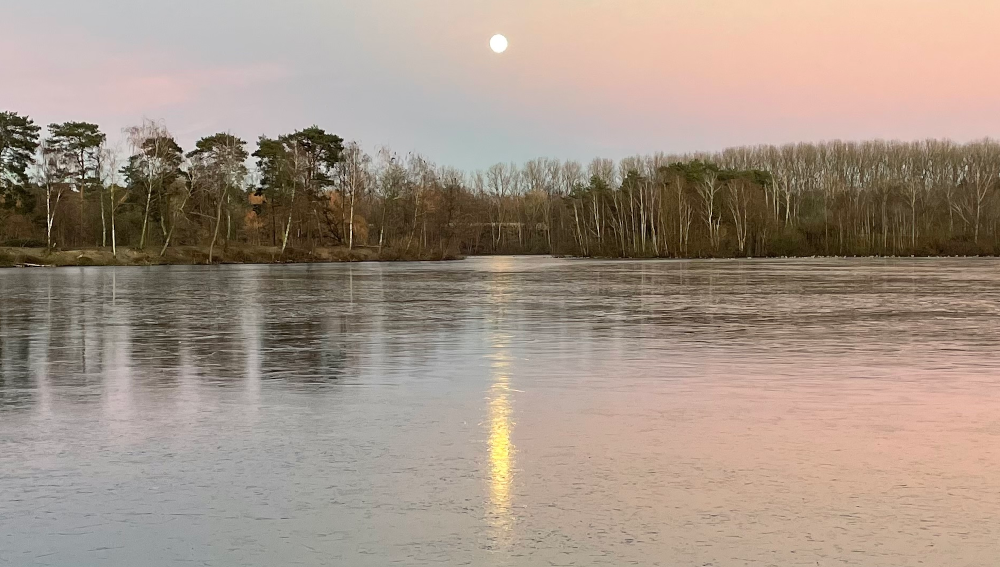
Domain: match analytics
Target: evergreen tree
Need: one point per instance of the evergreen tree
(303, 161)
(80, 145)
(18, 144)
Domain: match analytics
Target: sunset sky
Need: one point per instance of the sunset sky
(581, 79)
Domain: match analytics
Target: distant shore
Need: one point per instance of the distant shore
(12, 257)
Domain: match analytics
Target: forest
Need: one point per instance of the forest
(65, 187)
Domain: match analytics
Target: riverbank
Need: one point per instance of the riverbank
(193, 255)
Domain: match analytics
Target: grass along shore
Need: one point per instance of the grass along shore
(11, 257)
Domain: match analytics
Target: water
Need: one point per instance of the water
(502, 411)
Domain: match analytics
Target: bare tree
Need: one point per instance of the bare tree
(116, 194)
(739, 206)
(52, 173)
(355, 176)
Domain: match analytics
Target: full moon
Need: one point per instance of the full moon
(498, 43)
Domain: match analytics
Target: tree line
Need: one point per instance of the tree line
(67, 188)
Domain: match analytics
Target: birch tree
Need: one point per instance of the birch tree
(218, 167)
(154, 165)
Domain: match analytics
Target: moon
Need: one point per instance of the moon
(498, 43)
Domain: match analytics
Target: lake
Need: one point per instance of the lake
(502, 411)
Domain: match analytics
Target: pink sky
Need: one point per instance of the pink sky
(582, 78)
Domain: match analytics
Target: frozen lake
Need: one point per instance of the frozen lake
(502, 411)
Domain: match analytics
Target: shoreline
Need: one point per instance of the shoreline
(13, 257)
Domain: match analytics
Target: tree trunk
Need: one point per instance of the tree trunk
(215, 233)
(350, 228)
(145, 217)
(288, 226)
(104, 226)
(114, 246)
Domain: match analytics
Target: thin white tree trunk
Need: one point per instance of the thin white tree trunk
(145, 217)
(114, 245)
(288, 225)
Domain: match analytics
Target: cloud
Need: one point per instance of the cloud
(63, 75)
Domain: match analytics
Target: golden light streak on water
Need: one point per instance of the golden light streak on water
(501, 452)
(501, 449)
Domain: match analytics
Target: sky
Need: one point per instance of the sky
(581, 79)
